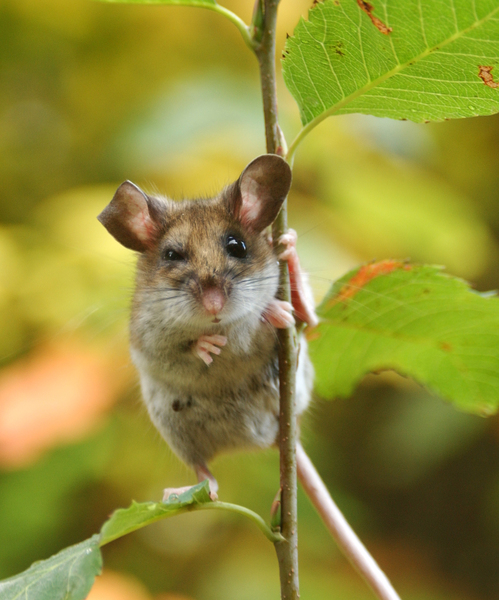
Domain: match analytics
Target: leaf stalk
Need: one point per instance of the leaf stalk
(244, 30)
(273, 536)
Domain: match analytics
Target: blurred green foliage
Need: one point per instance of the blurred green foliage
(92, 94)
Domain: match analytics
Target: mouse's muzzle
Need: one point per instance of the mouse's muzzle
(213, 300)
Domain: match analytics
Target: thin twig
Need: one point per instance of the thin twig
(345, 536)
(291, 451)
(287, 551)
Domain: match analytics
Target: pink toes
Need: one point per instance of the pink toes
(279, 314)
(301, 294)
(207, 345)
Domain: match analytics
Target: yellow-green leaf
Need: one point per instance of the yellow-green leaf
(422, 60)
(415, 320)
(68, 575)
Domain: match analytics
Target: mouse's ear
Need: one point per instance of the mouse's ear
(257, 196)
(133, 218)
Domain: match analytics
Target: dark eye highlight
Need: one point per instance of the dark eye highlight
(235, 247)
(170, 254)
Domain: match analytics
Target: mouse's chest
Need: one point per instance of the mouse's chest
(167, 355)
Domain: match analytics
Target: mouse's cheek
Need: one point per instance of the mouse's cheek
(172, 306)
(239, 307)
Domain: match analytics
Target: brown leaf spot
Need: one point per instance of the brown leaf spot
(369, 9)
(485, 74)
(338, 49)
(446, 346)
(364, 275)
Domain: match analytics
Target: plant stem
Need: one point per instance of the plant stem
(287, 550)
(345, 537)
(257, 519)
(265, 53)
(273, 536)
(237, 21)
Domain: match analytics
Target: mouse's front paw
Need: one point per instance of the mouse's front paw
(301, 294)
(288, 240)
(208, 344)
(279, 314)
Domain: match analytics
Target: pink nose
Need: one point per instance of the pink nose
(213, 300)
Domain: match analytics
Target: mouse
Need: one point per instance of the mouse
(204, 312)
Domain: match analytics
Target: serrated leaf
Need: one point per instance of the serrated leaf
(68, 575)
(202, 3)
(415, 320)
(126, 520)
(422, 60)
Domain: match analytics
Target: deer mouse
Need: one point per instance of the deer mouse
(204, 312)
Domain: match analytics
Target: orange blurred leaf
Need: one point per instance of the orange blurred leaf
(118, 586)
(115, 586)
(56, 395)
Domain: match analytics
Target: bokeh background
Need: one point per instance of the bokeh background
(92, 94)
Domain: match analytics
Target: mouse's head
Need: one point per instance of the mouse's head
(204, 261)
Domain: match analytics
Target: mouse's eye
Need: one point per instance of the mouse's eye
(235, 247)
(170, 254)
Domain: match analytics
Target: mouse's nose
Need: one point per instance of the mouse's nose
(213, 300)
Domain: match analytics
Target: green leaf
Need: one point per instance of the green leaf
(415, 320)
(68, 575)
(422, 60)
(126, 520)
